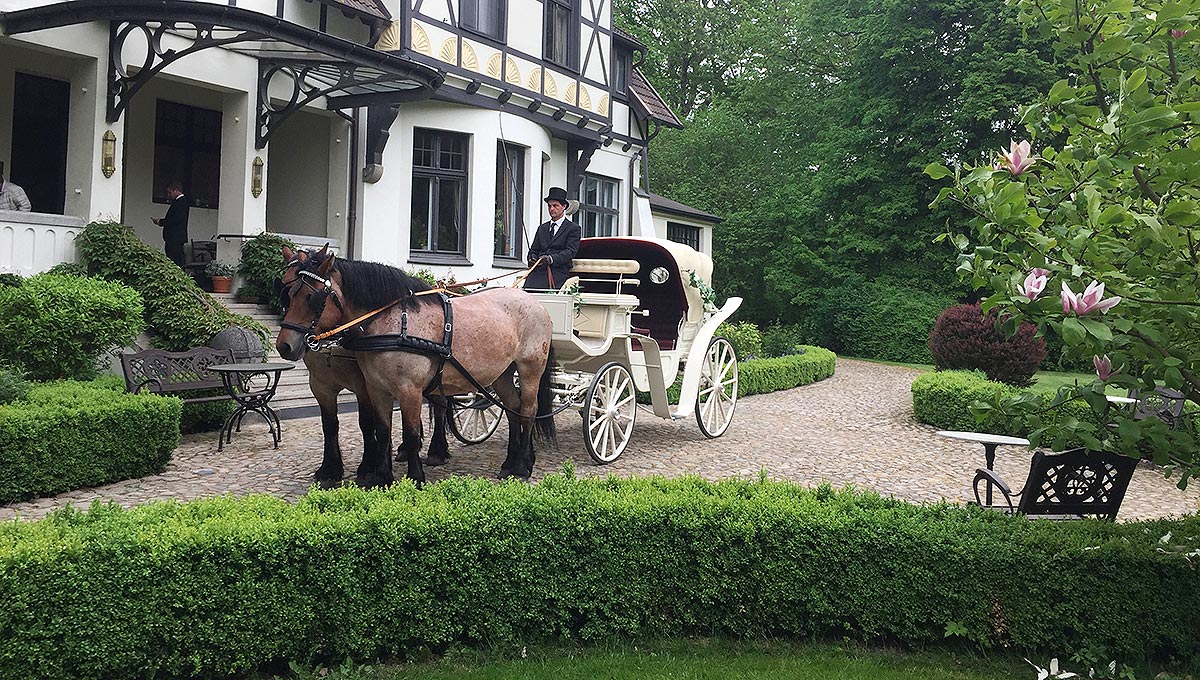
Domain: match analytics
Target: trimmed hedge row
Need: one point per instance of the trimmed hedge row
(68, 435)
(763, 376)
(218, 587)
(943, 399)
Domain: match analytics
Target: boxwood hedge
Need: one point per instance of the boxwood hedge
(68, 435)
(763, 376)
(943, 399)
(217, 587)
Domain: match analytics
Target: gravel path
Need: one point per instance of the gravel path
(854, 428)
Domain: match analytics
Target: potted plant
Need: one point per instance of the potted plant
(221, 274)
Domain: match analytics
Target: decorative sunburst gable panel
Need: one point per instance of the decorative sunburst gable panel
(448, 52)
(511, 75)
(420, 40)
(470, 60)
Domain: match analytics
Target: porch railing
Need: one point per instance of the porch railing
(31, 243)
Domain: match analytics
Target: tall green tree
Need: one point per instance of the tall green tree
(813, 149)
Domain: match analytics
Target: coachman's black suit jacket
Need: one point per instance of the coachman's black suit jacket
(561, 251)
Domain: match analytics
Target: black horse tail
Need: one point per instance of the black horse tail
(544, 423)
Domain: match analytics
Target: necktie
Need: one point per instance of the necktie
(553, 230)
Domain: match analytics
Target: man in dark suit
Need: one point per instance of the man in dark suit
(554, 245)
(174, 223)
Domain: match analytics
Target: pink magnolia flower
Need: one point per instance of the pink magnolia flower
(1093, 299)
(1104, 369)
(1018, 158)
(1090, 300)
(1070, 301)
(1034, 284)
(1178, 33)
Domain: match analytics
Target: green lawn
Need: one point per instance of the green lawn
(704, 660)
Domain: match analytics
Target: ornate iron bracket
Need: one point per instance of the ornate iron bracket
(309, 81)
(122, 86)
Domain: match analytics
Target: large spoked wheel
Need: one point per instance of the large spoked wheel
(473, 418)
(609, 412)
(718, 389)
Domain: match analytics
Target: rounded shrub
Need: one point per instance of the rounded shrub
(10, 280)
(964, 338)
(59, 326)
(745, 338)
(262, 263)
(783, 340)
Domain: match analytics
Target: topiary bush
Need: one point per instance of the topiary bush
(68, 435)
(216, 588)
(261, 264)
(763, 376)
(56, 326)
(178, 314)
(964, 338)
(745, 338)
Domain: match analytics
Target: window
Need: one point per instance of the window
(439, 192)
(684, 233)
(510, 200)
(598, 206)
(485, 17)
(621, 66)
(187, 149)
(561, 33)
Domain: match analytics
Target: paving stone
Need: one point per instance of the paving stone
(855, 428)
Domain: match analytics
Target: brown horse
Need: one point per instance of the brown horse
(334, 369)
(398, 333)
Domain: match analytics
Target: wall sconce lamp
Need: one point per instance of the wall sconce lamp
(256, 169)
(108, 153)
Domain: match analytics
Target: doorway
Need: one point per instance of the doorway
(41, 118)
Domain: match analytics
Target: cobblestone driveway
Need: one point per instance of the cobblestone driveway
(854, 428)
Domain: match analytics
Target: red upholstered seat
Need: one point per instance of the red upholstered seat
(663, 343)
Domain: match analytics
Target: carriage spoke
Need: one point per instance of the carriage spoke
(717, 395)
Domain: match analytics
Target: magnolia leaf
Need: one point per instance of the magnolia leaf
(937, 171)
(1137, 78)
(1097, 329)
(1072, 331)
(1058, 89)
(1154, 114)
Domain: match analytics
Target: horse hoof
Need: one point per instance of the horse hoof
(328, 484)
(372, 481)
(436, 460)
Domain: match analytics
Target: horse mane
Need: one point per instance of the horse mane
(372, 284)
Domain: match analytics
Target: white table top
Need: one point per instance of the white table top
(1120, 400)
(984, 438)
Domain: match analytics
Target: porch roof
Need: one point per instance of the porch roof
(343, 71)
(649, 101)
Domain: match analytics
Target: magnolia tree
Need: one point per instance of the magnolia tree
(1089, 228)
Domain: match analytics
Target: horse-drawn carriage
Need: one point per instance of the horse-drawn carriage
(632, 316)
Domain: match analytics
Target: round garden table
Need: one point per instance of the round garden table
(251, 386)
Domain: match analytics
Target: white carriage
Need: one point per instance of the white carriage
(631, 318)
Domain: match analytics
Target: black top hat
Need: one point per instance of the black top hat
(556, 194)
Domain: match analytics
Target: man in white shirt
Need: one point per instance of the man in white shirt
(554, 245)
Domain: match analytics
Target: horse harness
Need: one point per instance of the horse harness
(441, 352)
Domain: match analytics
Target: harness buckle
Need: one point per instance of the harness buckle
(449, 327)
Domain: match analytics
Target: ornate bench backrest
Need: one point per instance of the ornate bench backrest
(1076, 482)
(161, 371)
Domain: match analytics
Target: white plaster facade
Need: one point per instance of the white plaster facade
(562, 119)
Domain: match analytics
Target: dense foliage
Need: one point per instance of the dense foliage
(178, 314)
(807, 126)
(69, 435)
(217, 587)
(1099, 210)
(58, 326)
(745, 338)
(964, 337)
(804, 366)
(13, 385)
(261, 265)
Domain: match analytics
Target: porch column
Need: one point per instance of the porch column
(241, 212)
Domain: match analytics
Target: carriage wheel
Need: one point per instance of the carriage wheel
(718, 389)
(473, 419)
(609, 412)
